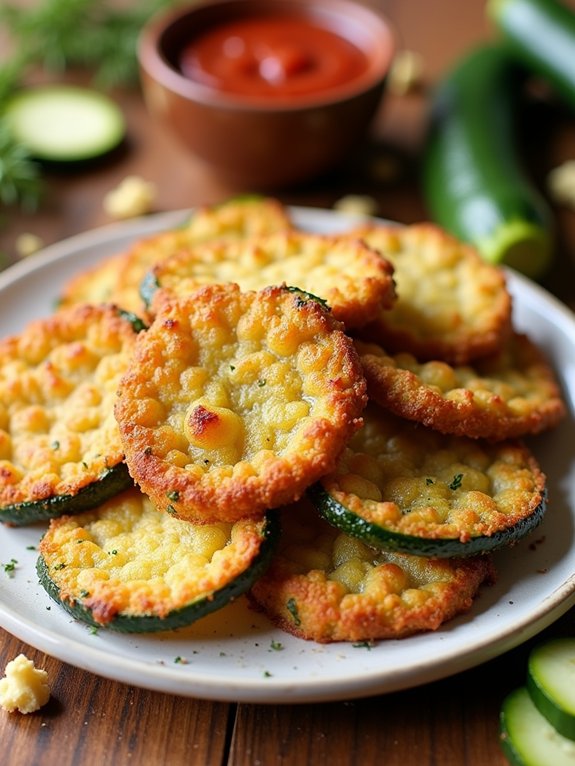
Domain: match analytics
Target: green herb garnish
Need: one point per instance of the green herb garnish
(456, 481)
(276, 646)
(10, 567)
(293, 610)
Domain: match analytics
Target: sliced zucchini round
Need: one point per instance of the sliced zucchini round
(402, 487)
(527, 737)
(324, 585)
(386, 539)
(60, 447)
(551, 683)
(64, 123)
(131, 568)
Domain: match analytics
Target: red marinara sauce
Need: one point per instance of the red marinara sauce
(278, 57)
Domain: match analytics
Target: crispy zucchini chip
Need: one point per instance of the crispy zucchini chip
(451, 304)
(60, 447)
(236, 402)
(400, 486)
(355, 281)
(325, 586)
(128, 567)
(507, 395)
(117, 279)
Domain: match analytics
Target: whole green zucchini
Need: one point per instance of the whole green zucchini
(473, 180)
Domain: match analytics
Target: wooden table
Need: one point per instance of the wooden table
(91, 720)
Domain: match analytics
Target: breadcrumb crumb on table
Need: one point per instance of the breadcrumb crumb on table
(406, 73)
(357, 204)
(24, 688)
(134, 196)
(28, 244)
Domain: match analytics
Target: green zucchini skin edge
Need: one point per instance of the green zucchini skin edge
(540, 33)
(524, 733)
(506, 739)
(178, 618)
(110, 483)
(379, 537)
(474, 183)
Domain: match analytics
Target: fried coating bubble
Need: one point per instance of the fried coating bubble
(236, 402)
(325, 586)
(451, 304)
(117, 279)
(507, 395)
(466, 495)
(355, 282)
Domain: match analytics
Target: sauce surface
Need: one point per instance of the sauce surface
(275, 57)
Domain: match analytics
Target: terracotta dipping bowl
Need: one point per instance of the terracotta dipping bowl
(258, 143)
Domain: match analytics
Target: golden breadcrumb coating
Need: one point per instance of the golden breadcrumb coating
(507, 395)
(58, 382)
(355, 282)
(450, 305)
(117, 279)
(128, 558)
(236, 402)
(411, 480)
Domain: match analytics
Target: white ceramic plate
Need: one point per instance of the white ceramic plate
(235, 655)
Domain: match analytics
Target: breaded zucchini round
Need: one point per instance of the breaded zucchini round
(402, 487)
(507, 395)
(128, 567)
(451, 304)
(117, 279)
(355, 281)
(236, 402)
(326, 586)
(60, 447)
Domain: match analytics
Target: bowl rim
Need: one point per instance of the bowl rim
(373, 22)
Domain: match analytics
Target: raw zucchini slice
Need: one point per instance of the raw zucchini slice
(551, 683)
(131, 568)
(64, 123)
(527, 737)
(402, 487)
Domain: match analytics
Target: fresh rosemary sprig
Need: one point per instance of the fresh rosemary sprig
(60, 34)
(20, 182)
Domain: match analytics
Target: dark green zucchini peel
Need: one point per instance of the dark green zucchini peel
(110, 483)
(152, 616)
(387, 539)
